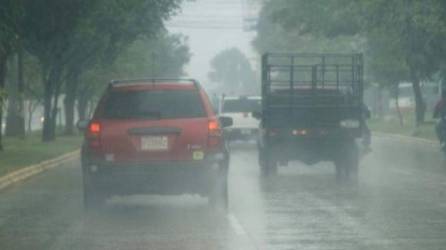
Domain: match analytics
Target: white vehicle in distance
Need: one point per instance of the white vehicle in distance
(241, 109)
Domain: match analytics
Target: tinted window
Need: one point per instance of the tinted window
(241, 105)
(159, 104)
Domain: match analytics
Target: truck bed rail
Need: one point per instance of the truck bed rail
(318, 83)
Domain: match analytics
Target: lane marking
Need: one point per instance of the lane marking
(339, 213)
(242, 232)
(235, 224)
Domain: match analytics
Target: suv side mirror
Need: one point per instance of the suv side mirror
(82, 124)
(257, 115)
(225, 121)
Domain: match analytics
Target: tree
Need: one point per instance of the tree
(15, 120)
(419, 31)
(415, 30)
(232, 69)
(48, 29)
(10, 11)
(274, 36)
(163, 56)
(66, 35)
(105, 33)
(33, 89)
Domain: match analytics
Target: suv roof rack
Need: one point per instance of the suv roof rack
(154, 81)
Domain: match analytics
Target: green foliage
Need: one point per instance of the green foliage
(113, 25)
(385, 63)
(393, 126)
(66, 32)
(124, 21)
(275, 36)
(32, 78)
(404, 39)
(318, 17)
(409, 32)
(68, 37)
(3, 96)
(34, 150)
(232, 70)
(10, 11)
(163, 56)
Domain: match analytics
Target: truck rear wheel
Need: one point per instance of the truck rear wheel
(347, 162)
(268, 166)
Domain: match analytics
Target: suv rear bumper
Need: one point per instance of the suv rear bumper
(308, 150)
(168, 178)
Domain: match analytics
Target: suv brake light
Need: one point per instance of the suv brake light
(215, 133)
(95, 128)
(93, 134)
(214, 128)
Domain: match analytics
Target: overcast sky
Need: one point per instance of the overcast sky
(212, 26)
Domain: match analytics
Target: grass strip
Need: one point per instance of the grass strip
(19, 153)
(391, 125)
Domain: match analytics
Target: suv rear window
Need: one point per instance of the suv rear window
(241, 106)
(156, 104)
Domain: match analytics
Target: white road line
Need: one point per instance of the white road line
(235, 224)
(241, 232)
(339, 213)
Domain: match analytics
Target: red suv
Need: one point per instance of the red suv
(158, 136)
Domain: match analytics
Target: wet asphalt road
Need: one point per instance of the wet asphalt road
(399, 203)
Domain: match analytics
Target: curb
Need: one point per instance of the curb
(29, 171)
(407, 139)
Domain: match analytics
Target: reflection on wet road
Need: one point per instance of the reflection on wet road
(399, 203)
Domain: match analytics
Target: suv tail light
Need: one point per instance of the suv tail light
(214, 133)
(94, 134)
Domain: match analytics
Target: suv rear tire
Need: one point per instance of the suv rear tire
(94, 197)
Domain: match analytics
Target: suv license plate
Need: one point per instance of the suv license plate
(154, 143)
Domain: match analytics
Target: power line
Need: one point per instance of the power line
(205, 27)
(196, 18)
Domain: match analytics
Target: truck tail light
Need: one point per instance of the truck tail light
(300, 132)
